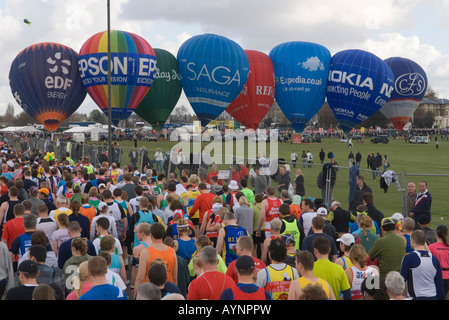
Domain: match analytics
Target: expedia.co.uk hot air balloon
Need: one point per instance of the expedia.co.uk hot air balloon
(359, 84)
(301, 70)
(133, 68)
(45, 82)
(257, 96)
(165, 91)
(213, 71)
(410, 86)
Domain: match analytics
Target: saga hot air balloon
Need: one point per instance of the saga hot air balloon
(359, 84)
(410, 86)
(165, 91)
(133, 68)
(45, 82)
(213, 71)
(301, 70)
(257, 96)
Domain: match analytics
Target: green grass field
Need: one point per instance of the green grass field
(416, 160)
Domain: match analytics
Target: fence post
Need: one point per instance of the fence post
(404, 193)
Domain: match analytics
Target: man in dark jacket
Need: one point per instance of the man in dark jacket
(360, 188)
(340, 218)
(423, 203)
(373, 212)
(373, 165)
(329, 172)
(283, 178)
(358, 158)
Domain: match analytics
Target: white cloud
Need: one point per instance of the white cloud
(434, 62)
(382, 27)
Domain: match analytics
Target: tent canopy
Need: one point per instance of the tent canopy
(80, 129)
(20, 129)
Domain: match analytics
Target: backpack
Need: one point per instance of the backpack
(143, 217)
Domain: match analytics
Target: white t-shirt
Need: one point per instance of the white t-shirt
(112, 227)
(118, 246)
(48, 225)
(306, 218)
(114, 279)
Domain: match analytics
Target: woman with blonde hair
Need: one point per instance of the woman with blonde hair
(244, 214)
(194, 180)
(359, 271)
(80, 282)
(94, 201)
(186, 244)
(365, 233)
(201, 242)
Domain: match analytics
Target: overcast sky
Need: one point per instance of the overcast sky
(408, 28)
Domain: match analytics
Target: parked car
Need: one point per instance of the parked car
(151, 137)
(419, 139)
(307, 138)
(357, 138)
(380, 139)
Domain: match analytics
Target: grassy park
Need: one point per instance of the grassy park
(417, 161)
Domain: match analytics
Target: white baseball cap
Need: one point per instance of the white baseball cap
(322, 211)
(348, 239)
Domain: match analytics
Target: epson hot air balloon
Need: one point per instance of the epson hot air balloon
(301, 70)
(359, 84)
(257, 96)
(45, 82)
(410, 86)
(165, 91)
(213, 71)
(133, 68)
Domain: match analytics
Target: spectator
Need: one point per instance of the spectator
(388, 249)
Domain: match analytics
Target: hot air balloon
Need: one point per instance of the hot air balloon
(213, 71)
(301, 70)
(359, 84)
(133, 68)
(257, 96)
(165, 91)
(409, 88)
(45, 82)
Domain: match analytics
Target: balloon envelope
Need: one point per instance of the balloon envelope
(257, 96)
(410, 86)
(301, 70)
(133, 69)
(213, 71)
(359, 84)
(45, 82)
(165, 91)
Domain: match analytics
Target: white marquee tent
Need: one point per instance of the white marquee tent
(20, 129)
(86, 130)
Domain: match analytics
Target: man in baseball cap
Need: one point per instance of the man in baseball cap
(28, 272)
(245, 289)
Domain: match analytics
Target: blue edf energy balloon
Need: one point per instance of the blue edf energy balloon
(301, 70)
(213, 71)
(45, 82)
(410, 86)
(359, 84)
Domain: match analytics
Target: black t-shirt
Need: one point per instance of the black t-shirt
(20, 293)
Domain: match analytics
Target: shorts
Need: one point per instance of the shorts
(258, 239)
(214, 241)
(195, 221)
